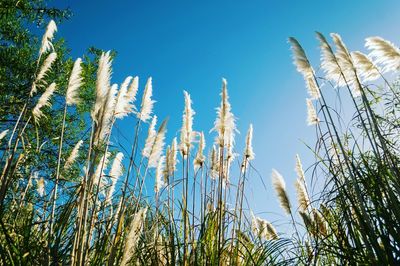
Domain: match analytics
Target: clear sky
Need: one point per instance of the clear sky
(192, 44)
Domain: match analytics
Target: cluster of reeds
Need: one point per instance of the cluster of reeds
(353, 216)
(94, 207)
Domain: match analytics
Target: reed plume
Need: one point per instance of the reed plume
(102, 85)
(157, 146)
(40, 183)
(200, 158)
(3, 134)
(299, 169)
(107, 114)
(187, 126)
(48, 62)
(302, 195)
(214, 161)
(312, 118)
(116, 172)
(124, 102)
(151, 136)
(279, 184)
(263, 229)
(365, 67)
(47, 38)
(98, 176)
(329, 62)
(224, 125)
(43, 101)
(74, 83)
(135, 231)
(384, 53)
(319, 222)
(74, 154)
(147, 102)
(133, 89)
(159, 184)
(171, 159)
(303, 66)
(248, 152)
(346, 65)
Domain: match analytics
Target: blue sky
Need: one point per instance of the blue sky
(190, 45)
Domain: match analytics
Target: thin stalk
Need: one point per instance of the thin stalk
(55, 190)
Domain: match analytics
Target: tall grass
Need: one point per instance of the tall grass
(94, 207)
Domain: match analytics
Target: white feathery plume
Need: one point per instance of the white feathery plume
(44, 100)
(224, 125)
(135, 231)
(248, 152)
(302, 195)
(101, 167)
(147, 103)
(365, 68)
(200, 158)
(214, 160)
(280, 187)
(171, 157)
(124, 104)
(230, 156)
(329, 62)
(159, 184)
(132, 90)
(3, 134)
(187, 126)
(40, 186)
(312, 118)
(74, 83)
(346, 64)
(107, 114)
(115, 173)
(48, 37)
(319, 222)
(384, 53)
(151, 135)
(102, 84)
(158, 146)
(299, 169)
(262, 228)
(116, 168)
(303, 66)
(48, 62)
(271, 231)
(74, 154)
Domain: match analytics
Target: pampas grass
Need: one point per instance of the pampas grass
(43, 101)
(312, 118)
(73, 155)
(365, 67)
(384, 53)
(224, 124)
(280, 187)
(3, 134)
(47, 38)
(200, 158)
(302, 64)
(48, 62)
(248, 152)
(147, 102)
(187, 126)
(345, 206)
(74, 83)
(136, 228)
